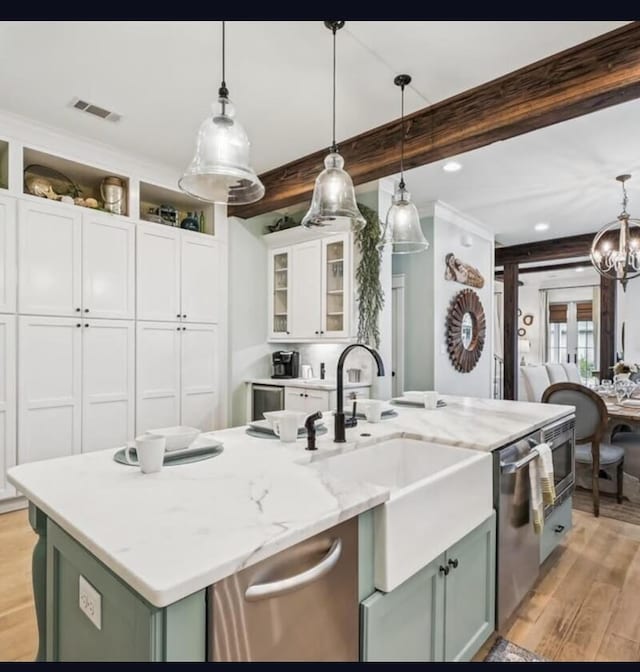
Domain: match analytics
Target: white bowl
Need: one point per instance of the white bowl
(177, 437)
(416, 396)
(272, 416)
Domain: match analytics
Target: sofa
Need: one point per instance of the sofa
(534, 379)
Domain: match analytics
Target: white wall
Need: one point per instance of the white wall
(529, 303)
(250, 354)
(449, 228)
(628, 311)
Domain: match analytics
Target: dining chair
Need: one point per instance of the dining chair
(591, 426)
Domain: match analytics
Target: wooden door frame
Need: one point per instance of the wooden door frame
(548, 250)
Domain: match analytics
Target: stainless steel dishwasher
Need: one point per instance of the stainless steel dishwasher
(298, 605)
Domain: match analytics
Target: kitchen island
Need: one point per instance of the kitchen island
(156, 542)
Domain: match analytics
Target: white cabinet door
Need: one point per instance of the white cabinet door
(157, 375)
(294, 399)
(7, 255)
(108, 263)
(49, 387)
(280, 293)
(201, 288)
(108, 383)
(158, 272)
(305, 288)
(200, 383)
(7, 401)
(336, 286)
(49, 259)
(317, 400)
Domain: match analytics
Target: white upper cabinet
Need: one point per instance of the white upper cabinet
(201, 289)
(157, 375)
(108, 383)
(199, 376)
(7, 401)
(7, 255)
(108, 275)
(305, 289)
(158, 272)
(49, 387)
(311, 290)
(49, 259)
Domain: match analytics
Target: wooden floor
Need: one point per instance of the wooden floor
(18, 635)
(586, 605)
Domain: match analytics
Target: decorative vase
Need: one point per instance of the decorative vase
(190, 222)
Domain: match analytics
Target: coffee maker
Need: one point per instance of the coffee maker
(286, 364)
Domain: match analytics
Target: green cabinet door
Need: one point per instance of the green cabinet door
(406, 624)
(470, 592)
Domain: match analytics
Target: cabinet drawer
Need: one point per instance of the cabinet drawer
(556, 527)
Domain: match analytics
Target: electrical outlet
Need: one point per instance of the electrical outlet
(90, 602)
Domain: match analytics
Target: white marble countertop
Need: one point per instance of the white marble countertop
(313, 384)
(175, 532)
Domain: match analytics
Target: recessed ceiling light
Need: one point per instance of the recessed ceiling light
(452, 167)
(579, 269)
(541, 226)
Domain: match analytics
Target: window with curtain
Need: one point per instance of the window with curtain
(571, 335)
(557, 335)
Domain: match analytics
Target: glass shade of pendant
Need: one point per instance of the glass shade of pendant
(402, 228)
(333, 206)
(220, 170)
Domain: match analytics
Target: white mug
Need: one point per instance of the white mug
(286, 428)
(307, 371)
(373, 410)
(150, 452)
(431, 399)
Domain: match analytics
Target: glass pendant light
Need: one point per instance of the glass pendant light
(333, 205)
(220, 170)
(402, 228)
(615, 252)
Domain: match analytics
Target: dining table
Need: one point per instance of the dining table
(622, 414)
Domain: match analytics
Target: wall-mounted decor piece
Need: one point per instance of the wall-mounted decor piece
(466, 330)
(528, 320)
(522, 332)
(458, 271)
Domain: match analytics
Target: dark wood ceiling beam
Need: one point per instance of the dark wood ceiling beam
(552, 267)
(545, 250)
(591, 76)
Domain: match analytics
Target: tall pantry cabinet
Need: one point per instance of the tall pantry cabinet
(177, 329)
(108, 327)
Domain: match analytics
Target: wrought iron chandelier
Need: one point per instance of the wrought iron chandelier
(615, 252)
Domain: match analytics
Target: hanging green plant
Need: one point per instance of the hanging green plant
(370, 294)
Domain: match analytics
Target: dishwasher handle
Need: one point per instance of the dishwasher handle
(512, 467)
(265, 591)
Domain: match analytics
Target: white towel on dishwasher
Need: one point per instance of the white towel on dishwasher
(541, 485)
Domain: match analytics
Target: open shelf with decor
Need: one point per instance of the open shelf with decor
(166, 206)
(4, 164)
(60, 179)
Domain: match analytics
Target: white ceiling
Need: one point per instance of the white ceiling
(562, 175)
(162, 77)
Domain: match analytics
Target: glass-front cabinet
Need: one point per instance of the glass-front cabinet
(280, 295)
(310, 290)
(336, 286)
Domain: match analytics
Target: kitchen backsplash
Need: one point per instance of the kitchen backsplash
(315, 353)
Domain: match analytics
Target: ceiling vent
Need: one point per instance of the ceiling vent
(95, 110)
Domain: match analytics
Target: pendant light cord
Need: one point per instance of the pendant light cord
(334, 147)
(223, 92)
(402, 185)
